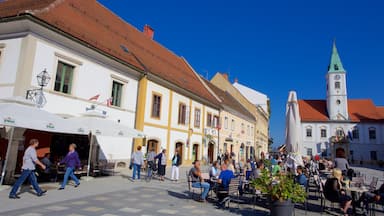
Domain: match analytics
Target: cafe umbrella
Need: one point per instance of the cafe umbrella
(98, 125)
(21, 113)
(293, 132)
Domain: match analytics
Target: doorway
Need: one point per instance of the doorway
(211, 149)
(153, 144)
(247, 153)
(179, 148)
(231, 149)
(195, 152)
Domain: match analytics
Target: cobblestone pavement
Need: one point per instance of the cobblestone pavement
(118, 195)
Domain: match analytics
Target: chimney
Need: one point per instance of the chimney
(225, 75)
(148, 31)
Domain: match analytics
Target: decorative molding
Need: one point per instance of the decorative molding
(69, 59)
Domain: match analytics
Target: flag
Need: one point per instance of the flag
(109, 102)
(350, 135)
(96, 97)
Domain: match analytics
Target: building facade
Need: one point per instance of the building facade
(261, 129)
(236, 134)
(357, 125)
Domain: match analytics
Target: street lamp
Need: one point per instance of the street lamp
(37, 95)
(43, 78)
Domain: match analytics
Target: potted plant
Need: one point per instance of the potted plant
(282, 191)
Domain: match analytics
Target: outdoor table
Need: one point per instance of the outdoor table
(354, 192)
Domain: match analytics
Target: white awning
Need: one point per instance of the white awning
(114, 148)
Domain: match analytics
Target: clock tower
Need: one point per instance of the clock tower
(337, 101)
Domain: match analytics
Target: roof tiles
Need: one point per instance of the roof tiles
(92, 23)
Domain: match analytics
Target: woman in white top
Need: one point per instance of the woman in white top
(214, 171)
(137, 161)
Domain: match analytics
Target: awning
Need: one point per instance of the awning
(114, 148)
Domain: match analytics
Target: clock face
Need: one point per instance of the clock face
(337, 77)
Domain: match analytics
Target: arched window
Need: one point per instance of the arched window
(339, 132)
(355, 133)
(372, 133)
(309, 131)
(323, 132)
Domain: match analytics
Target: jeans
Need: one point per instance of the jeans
(150, 168)
(32, 179)
(69, 173)
(203, 185)
(136, 168)
(175, 172)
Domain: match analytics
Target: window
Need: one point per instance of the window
(209, 119)
(215, 122)
(197, 117)
(339, 132)
(117, 91)
(355, 133)
(323, 133)
(337, 85)
(156, 106)
(309, 151)
(182, 114)
(309, 132)
(242, 128)
(248, 131)
(373, 155)
(226, 122)
(252, 131)
(64, 77)
(372, 133)
(233, 126)
(338, 102)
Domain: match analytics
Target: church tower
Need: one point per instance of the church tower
(337, 101)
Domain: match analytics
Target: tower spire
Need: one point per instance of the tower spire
(335, 65)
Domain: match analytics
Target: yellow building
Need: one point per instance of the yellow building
(261, 130)
(237, 126)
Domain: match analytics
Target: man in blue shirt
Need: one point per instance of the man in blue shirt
(224, 181)
(301, 179)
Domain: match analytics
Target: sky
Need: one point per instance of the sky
(271, 46)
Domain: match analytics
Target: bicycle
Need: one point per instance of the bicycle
(151, 171)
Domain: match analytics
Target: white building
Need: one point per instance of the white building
(255, 97)
(356, 125)
(80, 68)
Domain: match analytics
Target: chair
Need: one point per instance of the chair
(373, 184)
(233, 192)
(109, 168)
(191, 189)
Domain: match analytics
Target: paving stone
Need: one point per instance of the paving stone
(101, 198)
(130, 210)
(167, 211)
(109, 215)
(31, 214)
(81, 202)
(56, 208)
(76, 215)
(93, 209)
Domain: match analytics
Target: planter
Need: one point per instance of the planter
(284, 208)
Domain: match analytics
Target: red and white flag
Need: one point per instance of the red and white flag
(109, 101)
(96, 97)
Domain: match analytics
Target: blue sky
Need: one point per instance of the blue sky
(272, 46)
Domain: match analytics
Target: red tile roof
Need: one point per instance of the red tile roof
(92, 23)
(360, 110)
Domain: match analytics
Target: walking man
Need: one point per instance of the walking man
(28, 170)
(151, 161)
(137, 161)
(71, 162)
(176, 162)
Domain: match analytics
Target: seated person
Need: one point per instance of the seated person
(224, 180)
(214, 170)
(301, 179)
(333, 191)
(198, 181)
(277, 168)
(257, 172)
(248, 169)
(376, 196)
